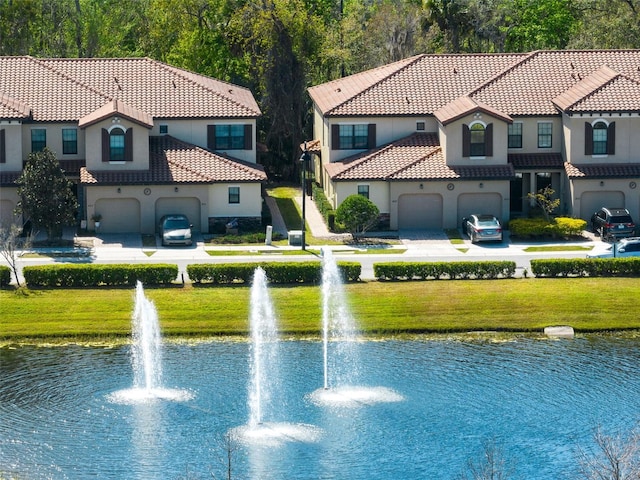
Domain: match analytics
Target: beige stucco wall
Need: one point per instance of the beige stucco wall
(530, 135)
(250, 200)
(627, 139)
(13, 147)
(8, 201)
(451, 141)
(93, 139)
(378, 193)
(195, 132)
(54, 139)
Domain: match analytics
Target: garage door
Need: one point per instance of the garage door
(119, 215)
(469, 203)
(189, 206)
(420, 211)
(593, 201)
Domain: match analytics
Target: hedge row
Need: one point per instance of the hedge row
(91, 275)
(560, 227)
(5, 276)
(281, 273)
(586, 267)
(443, 270)
(324, 207)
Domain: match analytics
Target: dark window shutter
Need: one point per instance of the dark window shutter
(466, 141)
(588, 139)
(371, 136)
(211, 137)
(611, 139)
(105, 145)
(248, 137)
(488, 140)
(3, 153)
(128, 145)
(335, 137)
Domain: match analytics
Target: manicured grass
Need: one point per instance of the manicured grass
(383, 308)
(559, 248)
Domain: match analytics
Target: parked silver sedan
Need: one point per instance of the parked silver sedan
(482, 228)
(627, 247)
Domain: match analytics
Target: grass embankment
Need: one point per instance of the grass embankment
(520, 305)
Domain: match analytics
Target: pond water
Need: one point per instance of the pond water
(441, 401)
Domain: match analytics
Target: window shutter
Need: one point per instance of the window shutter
(488, 140)
(128, 145)
(466, 141)
(248, 137)
(588, 139)
(335, 137)
(611, 138)
(3, 153)
(371, 136)
(211, 137)
(105, 145)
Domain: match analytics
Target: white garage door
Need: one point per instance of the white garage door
(469, 203)
(420, 211)
(591, 202)
(189, 206)
(119, 215)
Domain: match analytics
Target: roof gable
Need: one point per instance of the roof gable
(116, 107)
(463, 106)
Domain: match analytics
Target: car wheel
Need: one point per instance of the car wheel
(473, 237)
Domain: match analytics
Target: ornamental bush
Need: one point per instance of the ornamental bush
(560, 227)
(5, 276)
(443, 270)
(586, 267)
(71, 275)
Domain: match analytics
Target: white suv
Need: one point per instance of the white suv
(627, 247)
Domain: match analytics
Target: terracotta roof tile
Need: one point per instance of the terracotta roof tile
(174, 161)
(524, 161)
(120, 108)
(11, 108)
(464, 106)
(416, 157)
(69, 89)
(609, 170)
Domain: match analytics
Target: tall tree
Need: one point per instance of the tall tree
(46, 198)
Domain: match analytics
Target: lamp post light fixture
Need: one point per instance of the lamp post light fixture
(305, 160)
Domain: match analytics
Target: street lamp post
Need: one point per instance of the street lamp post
(304, 159)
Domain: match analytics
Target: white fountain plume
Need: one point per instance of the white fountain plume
(340, 349)
(146, 357)
(264, 383)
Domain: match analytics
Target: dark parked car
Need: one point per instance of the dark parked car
(627, 247)
(175, 230)
(612, 223)
(482, 228)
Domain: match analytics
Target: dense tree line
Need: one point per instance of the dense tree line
(277, 48)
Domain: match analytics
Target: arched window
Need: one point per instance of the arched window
(600, 145)
(116, 145)
(478, 140)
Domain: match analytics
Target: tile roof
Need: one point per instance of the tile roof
(524, 161)
(174, 161)
(463, 106)
(72, 88)
(11, 108)
(118, 107)
(515, 84)
(609, 170)
(416, 157)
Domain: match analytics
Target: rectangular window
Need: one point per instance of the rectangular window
(229, 137)
(363, 190)
(515, 135)
(38, 139)
(420, 126)
(545, 130)
(116, 145)
(164, 129)
(234, 194)
(69, 141)
(354, 136)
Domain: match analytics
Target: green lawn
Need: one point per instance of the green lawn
(383, 308)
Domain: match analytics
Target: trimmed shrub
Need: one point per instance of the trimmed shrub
(5, 275)
(324, 207)
(277, 272)
(443, 270)
(586, 267)
(560, 227)
(71, 275)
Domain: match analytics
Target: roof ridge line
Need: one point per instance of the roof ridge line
(527, 58)
(13, 103)
(395, 72)
(416, 161)
(51, 68)
(179, 73)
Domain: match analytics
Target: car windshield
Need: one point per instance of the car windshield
(175, 223)
(620, 219)
(487, 222)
